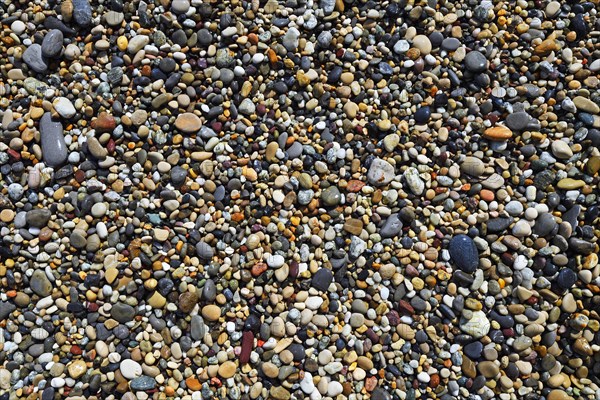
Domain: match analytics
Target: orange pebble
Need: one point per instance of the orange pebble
(486, 195)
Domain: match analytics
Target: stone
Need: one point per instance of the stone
(422, 43)
(380, 172)
(54, 147)
(40, 284)
(64, 107)
(473, 350)
(34, 59)
(475, 61)
(477, 326)
(322, 279)
(187, 301)
(331, 196)
(122, 313)
(489, 369)
(38, 218)
(130, 369)
(472, 166)
(558, 394)
(279, 393)
(6, 309)
(498, 132)
(391, 227)
(142, 383)
(188, 122)
(587, 105)
(77, 369)
(414, 181)
(521, 228)
(198, 328)
(561, 150)
(227, 369)
(353, 226)
(544, 224)
(566, 278)
(52, 45)
(464, 253)
(82, 12)
(211, 312)
(180, 6)
(137, 43)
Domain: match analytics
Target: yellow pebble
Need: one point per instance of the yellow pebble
(122, 43)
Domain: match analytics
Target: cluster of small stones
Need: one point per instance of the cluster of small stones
(299, 199)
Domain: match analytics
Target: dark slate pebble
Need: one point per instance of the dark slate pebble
(51, 22)
(48, 393)
(581, 246)
(476, 62)
(473, 350)
(380, 394)
(297, 351)
(450, 44)
(422, 115)
(544, 225)
(322, 279)
(209, 290)
(566, 278)
(122, 312)
(6, 309)
(178, 176)
(495, 225)
(464, 253)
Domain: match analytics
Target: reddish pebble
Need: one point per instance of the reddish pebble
(247, 345)
(486, 195)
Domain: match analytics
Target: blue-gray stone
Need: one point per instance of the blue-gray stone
(143, 383)
(54, 148)
(82, 12)
(391, 227)
(209, 290)
(566, 278)
(6, 309)
(322, 279)
(34, 59)
(464, 253)
(473, 350)
(476, 62)
(52, 44)
(450, 44)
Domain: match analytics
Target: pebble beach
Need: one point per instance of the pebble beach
(299, 199)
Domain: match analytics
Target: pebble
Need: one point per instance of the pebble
(284, 200)
(380, 172)
(464, 253)
(64, 107)
(34, 59)
(52, 45)
(54, 148)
